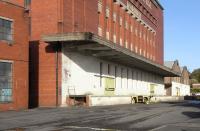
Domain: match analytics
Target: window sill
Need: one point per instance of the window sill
(10, 43)
(6, 102)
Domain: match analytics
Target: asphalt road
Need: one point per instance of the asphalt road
(154, 117)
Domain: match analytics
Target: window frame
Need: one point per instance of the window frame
(11, 27)
(12, 79)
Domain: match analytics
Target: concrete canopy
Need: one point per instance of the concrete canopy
(94, 45)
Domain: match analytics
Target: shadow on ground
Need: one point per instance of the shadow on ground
(188, 104)
(191, 114)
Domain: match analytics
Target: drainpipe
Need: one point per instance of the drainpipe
(57, 49)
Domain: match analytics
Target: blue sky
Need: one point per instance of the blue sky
(182, 32)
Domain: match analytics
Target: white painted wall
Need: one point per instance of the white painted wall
(81, 76)
(184, 89)
(114, 100)
(105, 100)
(167, 98)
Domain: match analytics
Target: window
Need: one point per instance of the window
(107, 12)
(100, 6)
(137, 76)
(101, 72)
(131, 28)
(109, 72)
(114, 17)
(27, 3)
(136, 31)
(126, 43)
(140, 34)
(5, 82)
(131, 46)
(126, 25)
(120, 41)
(114, 39)
(122, 77)
(99, 31)
(6, 30)
(107, 35)
(120, 21)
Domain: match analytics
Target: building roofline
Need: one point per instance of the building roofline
(159, 4)
(104, 49)
(11, 3)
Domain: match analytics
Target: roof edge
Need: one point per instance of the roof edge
(159, 4)
(88, 36)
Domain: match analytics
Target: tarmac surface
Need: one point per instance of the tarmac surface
(183, 116)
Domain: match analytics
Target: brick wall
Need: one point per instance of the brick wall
(57, 17)
(43, 74)
(18, 54)
(17, 2)
(79, 16)
(44, 20)
(185, 77)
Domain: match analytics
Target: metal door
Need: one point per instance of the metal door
(109, 85)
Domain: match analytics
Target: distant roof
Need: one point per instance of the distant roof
(184, 68)
(181, 68)
(169, 64)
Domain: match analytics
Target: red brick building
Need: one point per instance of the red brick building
(120, 43)
(13, 56)
(132, 26)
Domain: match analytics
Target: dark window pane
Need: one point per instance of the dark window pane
(1, 22)
(7, 24)
(5, 30)
(1, 35)
(5, 68)
(1, 30)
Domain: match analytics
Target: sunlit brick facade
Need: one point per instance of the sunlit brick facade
(134, 24)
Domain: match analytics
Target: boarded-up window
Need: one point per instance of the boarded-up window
(109, 84)
(152, 89)
(5, 82)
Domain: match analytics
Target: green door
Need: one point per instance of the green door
(109, 84)
(177, 91)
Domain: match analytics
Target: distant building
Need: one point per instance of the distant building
(14, 37)
(196, 86)
(177, 86)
